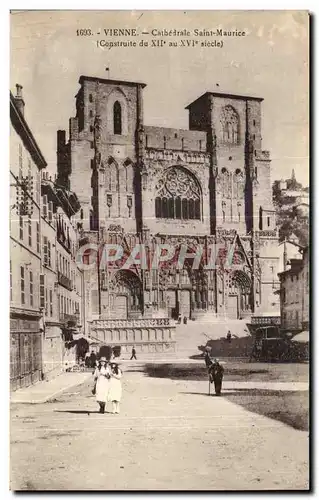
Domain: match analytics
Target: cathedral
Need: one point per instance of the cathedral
(206, 186)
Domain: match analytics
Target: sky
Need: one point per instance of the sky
(271, 61)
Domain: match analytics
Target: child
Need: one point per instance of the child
(115, 392)
(102, 378)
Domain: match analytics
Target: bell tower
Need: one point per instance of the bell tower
(233, 126)
(101, 160)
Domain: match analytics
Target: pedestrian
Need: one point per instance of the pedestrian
(115, 393)
(228, 336)
(87, 360)
(102, 376)
(216, 373)
(92, 359)
(208, 359)
(133, 353)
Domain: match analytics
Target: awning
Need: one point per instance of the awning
(302, 337)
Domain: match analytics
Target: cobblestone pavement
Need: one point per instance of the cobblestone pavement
(170, 435)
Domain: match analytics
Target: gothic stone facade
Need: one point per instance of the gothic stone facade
(209, 185)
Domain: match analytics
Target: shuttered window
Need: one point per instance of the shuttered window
(51, 302)
(42, 297)
(22, 285)
(45, 250)
(31, 288)
(38, 237)
(30, 230)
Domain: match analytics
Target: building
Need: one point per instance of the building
(26, 163)
(61, 285)
(45, 281)
(305, 290)
(293, 196)
(288, 250)
(206, 187)
(294, 293)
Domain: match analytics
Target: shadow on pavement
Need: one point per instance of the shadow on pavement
(288, 407)
(79, 412)
(187, 371)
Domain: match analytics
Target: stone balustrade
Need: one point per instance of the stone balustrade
(148, 335)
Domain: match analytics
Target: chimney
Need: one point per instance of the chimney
(19, 99)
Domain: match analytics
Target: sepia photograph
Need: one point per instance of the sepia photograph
(159, 251)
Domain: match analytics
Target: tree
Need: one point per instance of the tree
(288, 218)
(82, 347)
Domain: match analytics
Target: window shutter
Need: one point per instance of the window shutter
(45, 250)
(45, 206)
(50, 211)
(42, 298)
(49, 253)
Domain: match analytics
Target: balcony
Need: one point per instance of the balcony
(268, 233)
(64, 281)
(265, 320)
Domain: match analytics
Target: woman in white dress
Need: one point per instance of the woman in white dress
(115, 393)
(102, 377)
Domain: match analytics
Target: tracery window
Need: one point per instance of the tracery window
(129, 177)
(112, 178)
(238, 184)
(117, 118)
(230, 125)
(178, 196)
(225, 182)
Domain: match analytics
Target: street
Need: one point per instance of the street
(170, 435)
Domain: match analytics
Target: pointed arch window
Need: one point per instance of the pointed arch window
(112, 177)
(225, 180)
(117, 118)
(230, 125)
(238, 184)
(129, 176)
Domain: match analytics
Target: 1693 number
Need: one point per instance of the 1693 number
(84, 32)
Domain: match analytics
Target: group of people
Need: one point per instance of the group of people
(215, 371)
(90, 360)
(108, 385)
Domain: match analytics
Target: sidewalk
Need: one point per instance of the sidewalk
(44, 391)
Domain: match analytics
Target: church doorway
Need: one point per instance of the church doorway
(232, 307)
(120, 306)
(185, 303)
(126, 297)
(238, 297)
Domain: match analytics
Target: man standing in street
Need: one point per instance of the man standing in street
(133, 353)
(216, 373)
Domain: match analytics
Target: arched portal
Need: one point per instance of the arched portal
(238, 295)
(186, 288)
(126, 297)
